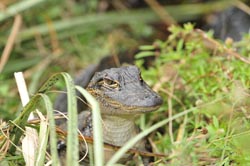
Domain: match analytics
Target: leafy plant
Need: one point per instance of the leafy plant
(193, 70)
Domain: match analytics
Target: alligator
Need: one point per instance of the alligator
(123, 95)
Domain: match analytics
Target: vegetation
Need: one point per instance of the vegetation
(204, 82)
(212, 81)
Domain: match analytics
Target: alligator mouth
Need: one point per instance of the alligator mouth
(115, 108)
(141, 109)
(112, 106)
(143, 106)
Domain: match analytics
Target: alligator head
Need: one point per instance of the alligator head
(122, 91)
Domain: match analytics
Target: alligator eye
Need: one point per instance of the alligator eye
(109, 83)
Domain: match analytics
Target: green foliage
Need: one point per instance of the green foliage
(192, 74)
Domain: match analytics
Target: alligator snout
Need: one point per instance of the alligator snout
(151, 100)
(157, 100)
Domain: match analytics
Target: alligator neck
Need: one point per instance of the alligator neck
(118, 130)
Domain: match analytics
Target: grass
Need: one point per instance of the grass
(204, 82)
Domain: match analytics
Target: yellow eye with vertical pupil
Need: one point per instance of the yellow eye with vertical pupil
(109, 83)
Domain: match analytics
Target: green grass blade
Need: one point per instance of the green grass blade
(20, 122)
(72, 138)
(53, 138)
(18, 7)
(43, 134)
(42, 143)
(98, 141)
(72, 125)
(20, 64)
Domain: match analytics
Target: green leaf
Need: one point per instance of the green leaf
(97, 127)
(44, 134)
(216, 122)
(72, 126)
(147, 47)
(144, 54)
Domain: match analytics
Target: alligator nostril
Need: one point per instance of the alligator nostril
(157, 100)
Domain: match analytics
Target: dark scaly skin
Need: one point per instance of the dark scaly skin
(122, 95)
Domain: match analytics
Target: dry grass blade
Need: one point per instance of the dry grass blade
(10, 41)
(29, 142)
(163, 14)
(97, 127)
(242, 6)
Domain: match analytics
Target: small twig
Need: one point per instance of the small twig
(170, 109)
(161, 12)
(242, 6)
(170, 124)
(173, 96)
(214, 45)
(237, 56)
(10, 41)
(40, 45)
(53, 36)
(5, 146)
